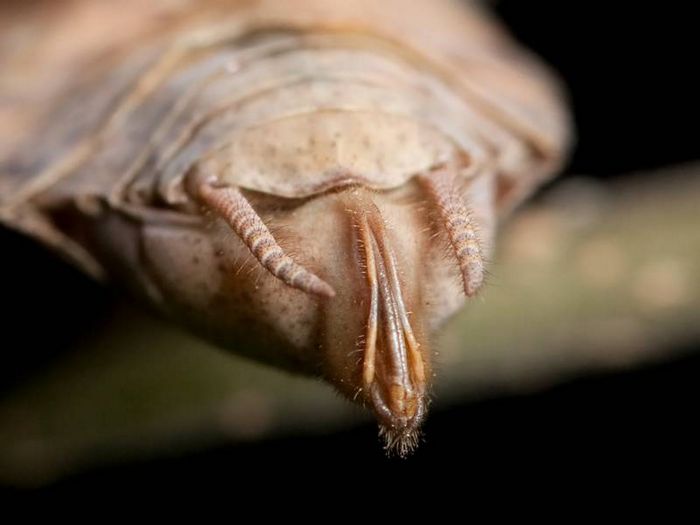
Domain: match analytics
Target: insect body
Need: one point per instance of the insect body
(314, 186)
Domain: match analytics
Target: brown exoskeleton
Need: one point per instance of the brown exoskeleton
(316, 187)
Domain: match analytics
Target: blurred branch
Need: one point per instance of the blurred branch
(590, 276)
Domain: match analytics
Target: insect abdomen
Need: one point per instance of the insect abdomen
(326, 147)
(313, 108)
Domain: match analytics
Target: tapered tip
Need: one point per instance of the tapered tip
(320, 287)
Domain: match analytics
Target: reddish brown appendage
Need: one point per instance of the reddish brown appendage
(393, 371)
(460, 227)
(230, 204)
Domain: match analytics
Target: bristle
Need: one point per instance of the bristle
(399, 443)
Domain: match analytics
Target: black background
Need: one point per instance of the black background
(630, 68)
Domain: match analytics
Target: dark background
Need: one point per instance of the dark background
(631, 72)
